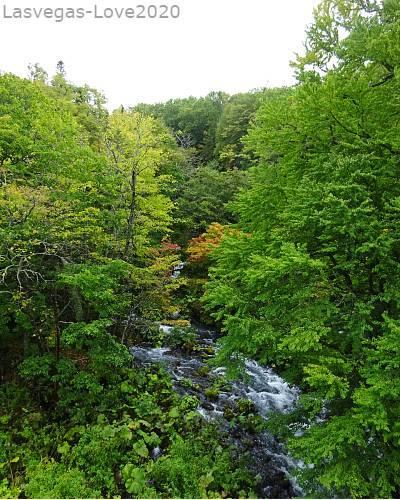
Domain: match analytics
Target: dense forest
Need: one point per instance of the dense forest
(271, 217)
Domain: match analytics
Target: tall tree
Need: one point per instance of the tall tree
(193, 120)
(204, 199)
(138, 148)
(238, 112)
(311, 283)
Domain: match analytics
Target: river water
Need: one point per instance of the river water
(264, 388)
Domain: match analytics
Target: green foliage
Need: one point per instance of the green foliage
(136, 483)
(69, 251)
(237, 116)
(306, 280)
(210, 191)
(190, 470)
(193, 120)
(139, 148)
(219, 384)
(181, 338)
(84, 209)
(310, 284)
(102, 442)
(53, 480)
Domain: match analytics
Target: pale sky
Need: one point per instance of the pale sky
(228, 45)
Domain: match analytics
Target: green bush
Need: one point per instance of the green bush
(181, 338)
(195, 467)
(50, 479)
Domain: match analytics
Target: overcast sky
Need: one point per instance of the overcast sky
(229, 45)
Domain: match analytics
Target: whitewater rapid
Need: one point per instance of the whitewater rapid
(261, 385)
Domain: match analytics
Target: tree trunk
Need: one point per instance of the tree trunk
(57, 329)
(132, 215)
(77, 305)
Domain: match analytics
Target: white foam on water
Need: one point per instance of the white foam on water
(154, 355)
(267, 390)
(165, 328)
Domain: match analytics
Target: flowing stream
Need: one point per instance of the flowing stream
(266, 390)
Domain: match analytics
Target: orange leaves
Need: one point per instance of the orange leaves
(200, 248)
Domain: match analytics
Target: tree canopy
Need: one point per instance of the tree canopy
(273, 215)
(310, 283)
